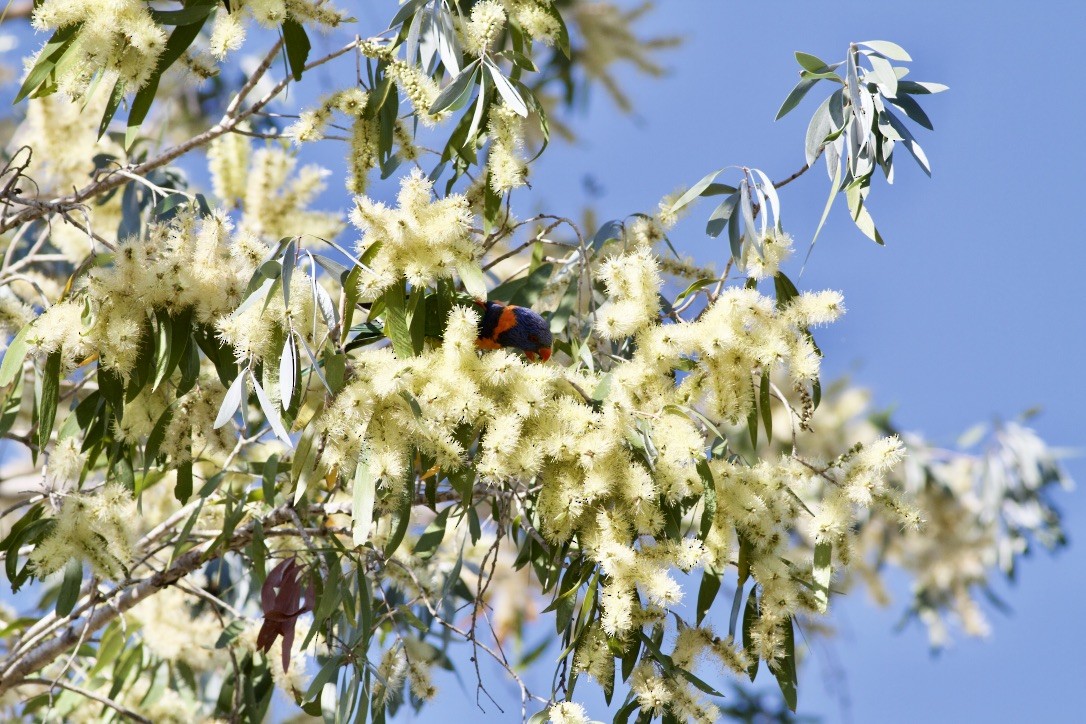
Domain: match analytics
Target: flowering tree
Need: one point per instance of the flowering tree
(254, 448)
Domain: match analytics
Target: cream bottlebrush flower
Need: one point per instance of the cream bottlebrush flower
(64, 136)
(312, 122)
(534, 18)
(228, 160)
(60, 329)
(420, 89)
(174, 628)
(776, 248)
(505, 167)
(93, 527)
(227, 34)
(118, 36)
(633, 284)
(423, 240)
(484, 27)
(568, 712)
(65, 462)
(276, 197)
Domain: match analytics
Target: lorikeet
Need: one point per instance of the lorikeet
(507, 325)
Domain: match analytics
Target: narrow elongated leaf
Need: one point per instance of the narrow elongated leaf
(433, 535)
(915, 87)
(267, 478)
(114, 102)
(231, 401)
(823, 570)
(288, 369)
(710, 586)
(448, 48)
(883, 74)
(474, 282)
(750, 617)
(811, 62)
(298, 46)
(509, 94)
(179, 41)
(55, 49)
(14, 356)
(457, 93)
(290, 258)
(69, 587)
(796, 95)
(695, 191)
(763, 403)
(721, 216)
(893, 51)
(270, 413)
(821, 125)
(912, 109)
(50, 393)
(183, 16)
(784, 668)
(396, 321)
(363, 494)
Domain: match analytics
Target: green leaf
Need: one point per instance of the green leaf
(860, 215)
(234, 629)
(709, 497)
(913, 87)
(267, 479)
(763, 403)
(258, 552)
(474, 282)
(271, 414)
(710, 586)
(433, 535)
(893, 51)
(820, 126)
(363, 495)
(721, 215)
(785, 668)
(695, 191)
(911, 109)
(823, 570)
(69, 587)
(795, 96)
(457, 93)
(182, 489)
(750, 617)
(154, 440)
(563, 31)
(402, 518)
(51, 55)
(50, 393)
(179, 41)
(395, 317)
(509, 94)
(13, 403)
(12, 363)
(183, 16)
(298, 46)
(114, 102)
(231, 401)
(811, 62)
(526, 290)
(752, 423)
(825, 210)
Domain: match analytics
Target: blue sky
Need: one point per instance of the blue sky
(971, 312)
